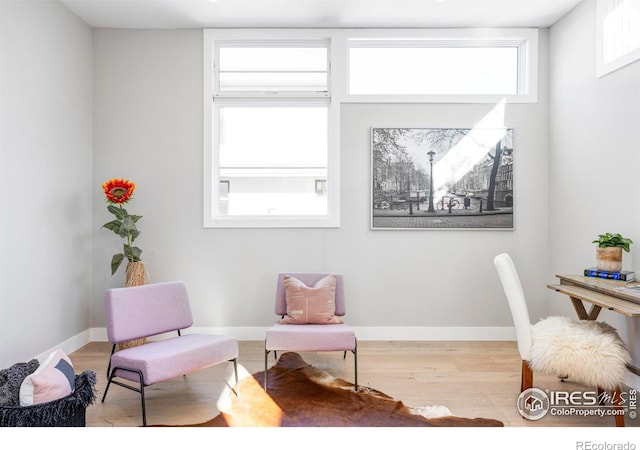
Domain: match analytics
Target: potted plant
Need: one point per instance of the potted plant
(609, 251)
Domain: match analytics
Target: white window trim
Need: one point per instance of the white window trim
(211, 189)
(526, 39)
(604, 68)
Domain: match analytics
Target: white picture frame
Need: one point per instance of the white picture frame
(442, 178)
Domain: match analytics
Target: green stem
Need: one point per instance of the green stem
(129, 240)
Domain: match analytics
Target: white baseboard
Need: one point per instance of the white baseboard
(70, 345)
(435, 333)
(365, 333)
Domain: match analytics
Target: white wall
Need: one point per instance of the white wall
(45, 178)
(595, 156)
(401, 284)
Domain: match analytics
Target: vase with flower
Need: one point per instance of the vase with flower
(118, 192)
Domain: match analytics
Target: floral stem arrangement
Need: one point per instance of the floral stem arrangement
(118, 192)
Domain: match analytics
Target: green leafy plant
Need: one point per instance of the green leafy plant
(613, 240)
(119, 192)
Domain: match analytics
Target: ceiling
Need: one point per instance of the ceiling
(145, 14)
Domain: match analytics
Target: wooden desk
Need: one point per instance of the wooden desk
(600, 294)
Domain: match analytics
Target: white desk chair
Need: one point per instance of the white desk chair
(585, 351)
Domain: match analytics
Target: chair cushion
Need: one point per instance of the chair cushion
(169, 358)
(310, 304)
(311, 337)
(587, 351)
(164, 306)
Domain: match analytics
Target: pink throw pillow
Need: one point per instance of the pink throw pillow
(53, 380)
(316, 304)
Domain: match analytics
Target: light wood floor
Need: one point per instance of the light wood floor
(472, 379)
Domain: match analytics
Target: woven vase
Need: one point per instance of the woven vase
(135, 275)
(609, 259)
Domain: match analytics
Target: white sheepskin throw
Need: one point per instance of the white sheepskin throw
(586, 351)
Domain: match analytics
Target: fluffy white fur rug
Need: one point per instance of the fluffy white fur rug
(589, 352)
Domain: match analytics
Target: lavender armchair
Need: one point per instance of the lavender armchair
(310, 337)
(149, 311)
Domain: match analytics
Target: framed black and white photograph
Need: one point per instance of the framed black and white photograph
(442, 178)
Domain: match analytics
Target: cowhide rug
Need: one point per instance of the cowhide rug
(300, 395)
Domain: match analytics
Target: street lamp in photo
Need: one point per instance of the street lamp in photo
(431, 153)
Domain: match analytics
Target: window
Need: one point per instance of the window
(443, 66)
(272, 134)
(418, 69)
(272, 155)
(272, 68)
(618, 34)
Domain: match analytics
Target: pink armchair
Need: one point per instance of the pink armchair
(150, 311)
(310, 337)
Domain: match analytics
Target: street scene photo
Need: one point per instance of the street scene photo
(434, 178)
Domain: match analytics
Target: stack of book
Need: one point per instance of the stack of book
(623, 275)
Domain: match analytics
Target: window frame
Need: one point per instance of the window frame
(525, 39)
(618, 62)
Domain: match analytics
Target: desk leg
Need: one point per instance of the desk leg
(582, 312)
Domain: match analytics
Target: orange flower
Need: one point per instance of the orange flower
(118, 191)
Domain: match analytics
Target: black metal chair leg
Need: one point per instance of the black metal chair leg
(235, 371)
(266, 353)
(144, 409)
(139, 390)
(355, 365)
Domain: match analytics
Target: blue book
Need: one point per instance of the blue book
(623, 275)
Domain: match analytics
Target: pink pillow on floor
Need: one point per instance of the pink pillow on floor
(316, 304)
